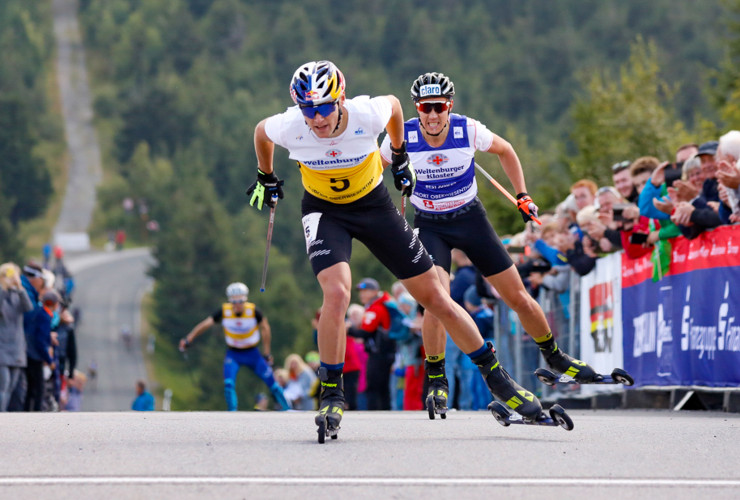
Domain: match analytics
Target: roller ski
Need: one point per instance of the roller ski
(331, 406)
(505, 389)
(555, 416)
(436, 402)
(559, 362)
(617, 376)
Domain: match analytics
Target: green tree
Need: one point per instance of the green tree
(625, 116)
(27, 185)
(726, 92)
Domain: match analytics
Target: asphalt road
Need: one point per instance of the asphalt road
(84, 160)
(109, 287)
(610, 454)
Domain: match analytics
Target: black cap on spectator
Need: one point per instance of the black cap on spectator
(708, 148)
(50, 297)
(368, 284)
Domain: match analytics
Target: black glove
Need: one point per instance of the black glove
(526, 207)
(404, 176)
(264, 188)
(184, 344)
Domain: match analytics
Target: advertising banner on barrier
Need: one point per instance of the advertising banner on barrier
(685, 328)
(601, 319)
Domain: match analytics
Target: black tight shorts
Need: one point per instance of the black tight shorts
(374, 220)
(467, 229)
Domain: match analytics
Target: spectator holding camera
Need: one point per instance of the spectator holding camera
(14, 302)
(651, 232)
(635, 222)
(622, 180)
(610, 207)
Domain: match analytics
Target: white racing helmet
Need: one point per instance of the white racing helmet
(236, 289)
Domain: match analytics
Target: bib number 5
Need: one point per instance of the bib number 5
(343, 185)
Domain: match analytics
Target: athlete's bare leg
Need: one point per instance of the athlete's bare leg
(428, 290)
(432, 329)
(336, 285)
(533, 320)
(509, 285)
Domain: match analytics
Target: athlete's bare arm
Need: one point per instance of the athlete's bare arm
(264, 148)
(197, 330)
(395, 124)
(510, 162)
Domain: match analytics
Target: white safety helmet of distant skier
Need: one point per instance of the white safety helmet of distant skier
(316, 82)
(237, 289)
(432, 85)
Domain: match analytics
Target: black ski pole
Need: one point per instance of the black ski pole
(269, 240)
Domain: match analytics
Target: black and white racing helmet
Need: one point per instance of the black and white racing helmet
(432, 85)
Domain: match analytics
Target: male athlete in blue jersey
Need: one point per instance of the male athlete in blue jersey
(442, 145)
(244, 326)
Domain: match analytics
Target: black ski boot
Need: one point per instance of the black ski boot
(565, 364)
(503, 387)
(436, 402)
(331, 403)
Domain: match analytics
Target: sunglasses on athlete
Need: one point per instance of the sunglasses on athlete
(436, 106)
(323, 109)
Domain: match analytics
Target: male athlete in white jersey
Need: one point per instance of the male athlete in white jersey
(334, 141)
(448, 214)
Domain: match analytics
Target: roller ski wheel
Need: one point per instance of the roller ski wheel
(546, 376)
(622, 377)
(618, 376)
(500, 413)
(557, 413)
(321, 430)
(433, 409)
(556, 418)
(326, 428)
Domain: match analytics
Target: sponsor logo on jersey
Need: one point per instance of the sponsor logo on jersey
(359, 131)
(437, 159)
(413, 136)
(458, 132)
(333, 153)
(430, 89)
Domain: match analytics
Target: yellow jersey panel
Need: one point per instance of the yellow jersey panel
(241, 331)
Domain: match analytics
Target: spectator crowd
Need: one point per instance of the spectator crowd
(38, 350)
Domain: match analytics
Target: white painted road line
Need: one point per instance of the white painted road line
(371, 481)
